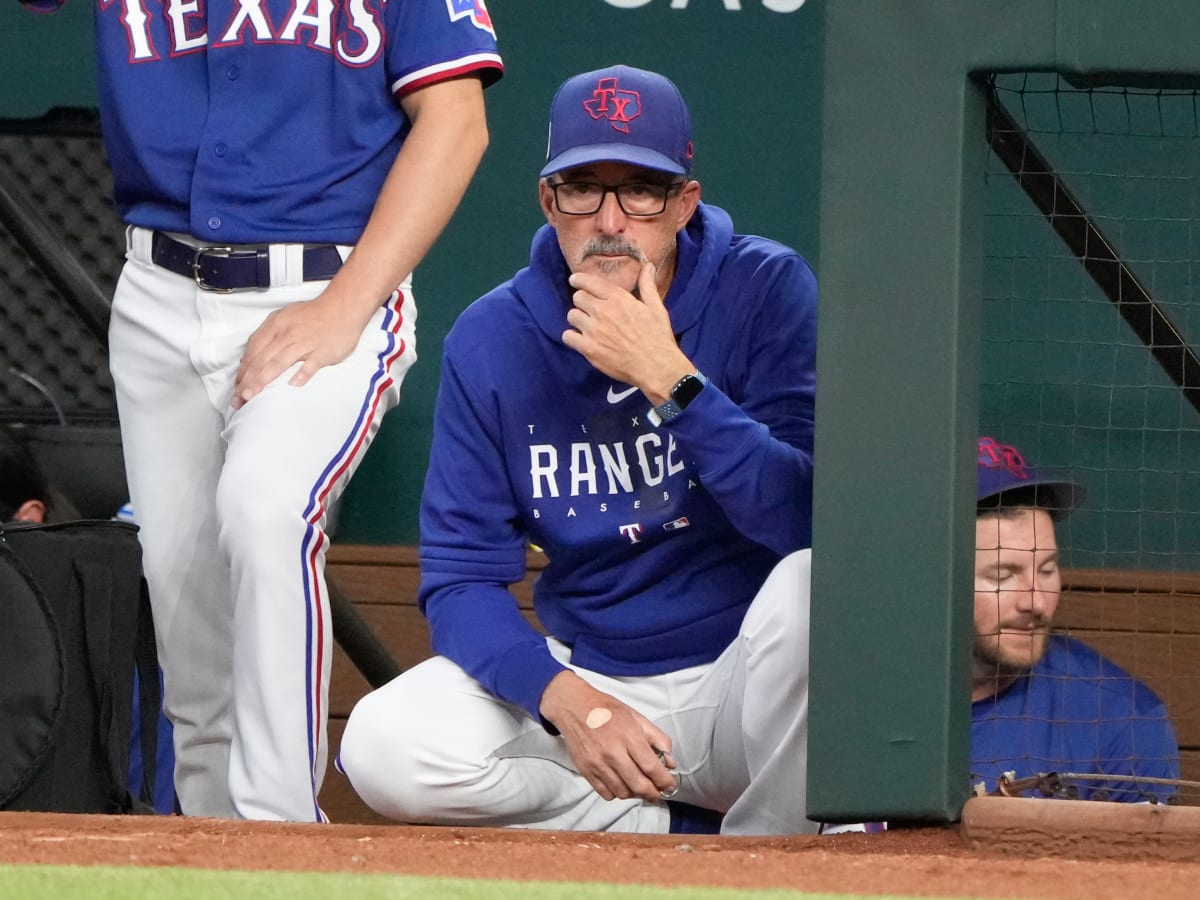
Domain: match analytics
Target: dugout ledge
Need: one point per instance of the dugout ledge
(1082, 829)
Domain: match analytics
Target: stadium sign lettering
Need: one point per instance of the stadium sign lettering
(779, 6)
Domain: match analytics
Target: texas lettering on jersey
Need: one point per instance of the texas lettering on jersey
(350, 29)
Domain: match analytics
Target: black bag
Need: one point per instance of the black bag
(74, 622)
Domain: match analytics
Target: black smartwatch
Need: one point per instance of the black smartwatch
(683, 393)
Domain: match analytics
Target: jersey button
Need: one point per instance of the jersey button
(214, 222)
(232, 73)
(221, 149)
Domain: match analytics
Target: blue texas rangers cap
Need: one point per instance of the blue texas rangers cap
(619, 114)
(1003, 468)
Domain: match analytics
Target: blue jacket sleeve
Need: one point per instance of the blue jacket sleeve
(750, 430)
(472, 550)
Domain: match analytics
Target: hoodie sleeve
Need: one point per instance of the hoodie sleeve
(472, 550)
(750, 430)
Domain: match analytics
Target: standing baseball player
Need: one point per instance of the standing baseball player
(639, 403)
(283, 167)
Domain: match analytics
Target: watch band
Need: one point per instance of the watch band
(682, 393)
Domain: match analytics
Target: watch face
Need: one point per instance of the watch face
(685, 390)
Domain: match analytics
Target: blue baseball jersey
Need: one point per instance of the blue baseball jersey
(254, 121)
(658, 538)
(1076, 712)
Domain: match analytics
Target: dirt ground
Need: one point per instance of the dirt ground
(921, 862)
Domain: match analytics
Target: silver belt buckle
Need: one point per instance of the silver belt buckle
(199, 255)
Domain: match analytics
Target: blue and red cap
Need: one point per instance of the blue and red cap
(619, 114)
(1003, 468)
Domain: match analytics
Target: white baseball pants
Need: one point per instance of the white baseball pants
(433, 746)
(233, 509)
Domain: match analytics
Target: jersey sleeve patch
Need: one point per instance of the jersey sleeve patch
(475, 11)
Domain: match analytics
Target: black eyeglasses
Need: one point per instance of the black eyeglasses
(584, 198)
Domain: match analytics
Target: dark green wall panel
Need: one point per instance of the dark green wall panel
(46, 59)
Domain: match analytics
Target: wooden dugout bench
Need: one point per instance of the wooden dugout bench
(1146, 622)
(1149, 624)
(382, 581)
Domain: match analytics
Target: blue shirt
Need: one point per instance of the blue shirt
(272, 121)
(1076, 712)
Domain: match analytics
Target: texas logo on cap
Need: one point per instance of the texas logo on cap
(993, 454)
(610, 102)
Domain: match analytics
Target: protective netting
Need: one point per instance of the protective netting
(1091, 323)
(1065, 376)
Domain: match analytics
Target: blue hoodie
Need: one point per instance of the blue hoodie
(657, 539)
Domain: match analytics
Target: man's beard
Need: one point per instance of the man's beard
(993, 656)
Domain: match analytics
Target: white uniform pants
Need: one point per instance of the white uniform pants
(233, 508)
(433, 746)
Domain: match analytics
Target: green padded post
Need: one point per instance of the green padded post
(898, 358)
(896, 411)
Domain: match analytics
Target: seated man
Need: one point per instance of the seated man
(638, 402)
(25, 491)
(1044, 703)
